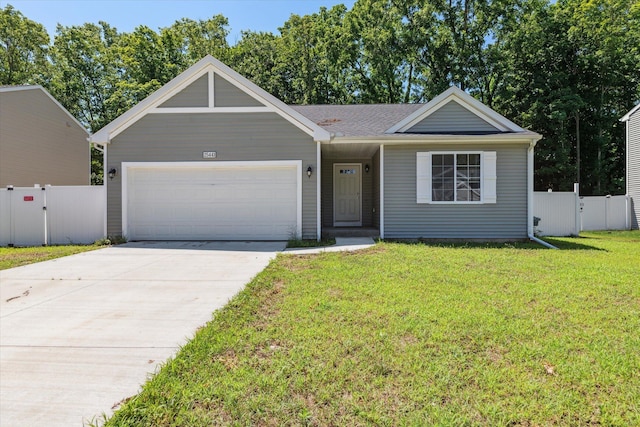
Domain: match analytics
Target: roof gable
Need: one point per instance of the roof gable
(454, 111)
(184, 94)
(46, 93)
(630, 113)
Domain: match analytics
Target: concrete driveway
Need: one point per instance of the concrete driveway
(79, 334)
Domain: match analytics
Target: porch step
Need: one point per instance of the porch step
(332, 232)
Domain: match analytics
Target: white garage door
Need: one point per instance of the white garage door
(212, 201)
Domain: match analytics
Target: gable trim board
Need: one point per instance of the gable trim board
(250, 128)
(455, 94)
(213, 67)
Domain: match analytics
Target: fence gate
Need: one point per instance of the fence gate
(33, 216)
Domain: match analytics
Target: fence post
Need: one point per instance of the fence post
(11, 232)
(578, 211)
(44, 210)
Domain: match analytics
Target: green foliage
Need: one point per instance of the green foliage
(415, 334)
(573, 72)
(23, 48)
(110, 240)
(566, 69)
(308, 243)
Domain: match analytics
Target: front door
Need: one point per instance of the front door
(347, 187)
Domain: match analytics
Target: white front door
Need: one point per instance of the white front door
(347, 187)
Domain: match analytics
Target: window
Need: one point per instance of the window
(456, 177)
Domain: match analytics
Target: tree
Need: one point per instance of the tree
(572, 73)
(312, 58)
(378, 64)
(84, 77)
(23, 48)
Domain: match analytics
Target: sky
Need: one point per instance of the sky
(126, 15)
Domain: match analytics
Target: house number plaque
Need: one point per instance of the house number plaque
(209, 154)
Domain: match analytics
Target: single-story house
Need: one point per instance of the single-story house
(632, 118)
(40, 141)
(210, 155)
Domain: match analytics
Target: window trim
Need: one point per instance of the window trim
(424, 182)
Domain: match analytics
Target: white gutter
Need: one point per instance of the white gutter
(506, 138)
(530, 199)
(382, 191)
(106, 188)
(318, 188)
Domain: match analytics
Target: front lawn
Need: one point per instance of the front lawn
(15, 257)
(415, 334)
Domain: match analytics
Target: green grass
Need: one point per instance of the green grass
(416, 334)
(15, 257)
(310, 243)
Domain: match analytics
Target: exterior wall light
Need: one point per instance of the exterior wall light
(366, 168)
(309, 171)
(112, 173)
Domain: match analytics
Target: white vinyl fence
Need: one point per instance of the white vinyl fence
(559, 213)
(566, 213)
(33, 216)
(605, 213)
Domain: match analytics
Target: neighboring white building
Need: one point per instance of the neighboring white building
(632, 118)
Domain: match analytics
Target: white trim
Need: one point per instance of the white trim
(530, 190)
(318, 191)
(197, 110)
(157, 98)
(212, 91)
(489, 176)
(236, 164)
(423, 177)
(106, 189)
(630, 113)
(412, 139)
(34, 87)
(382, 191)
(466, 101)
(357, 223)
(626, 150)
(208, 64)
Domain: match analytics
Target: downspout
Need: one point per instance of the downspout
(381, 191)
(103, 150)
(627, 221)
(318, 188)
(530, 199)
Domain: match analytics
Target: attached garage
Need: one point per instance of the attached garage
(259, 200)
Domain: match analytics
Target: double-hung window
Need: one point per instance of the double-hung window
(456, 177)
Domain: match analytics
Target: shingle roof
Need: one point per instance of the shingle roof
(356, 120)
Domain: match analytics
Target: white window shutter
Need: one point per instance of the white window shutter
(423, 177)
(489, 194)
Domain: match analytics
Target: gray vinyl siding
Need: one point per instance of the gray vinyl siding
(327, 191)
(234, 136)
(40, 143)
(404, 218)
(194, 95)
(633, 172)
(227, 95)
(452, 117)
